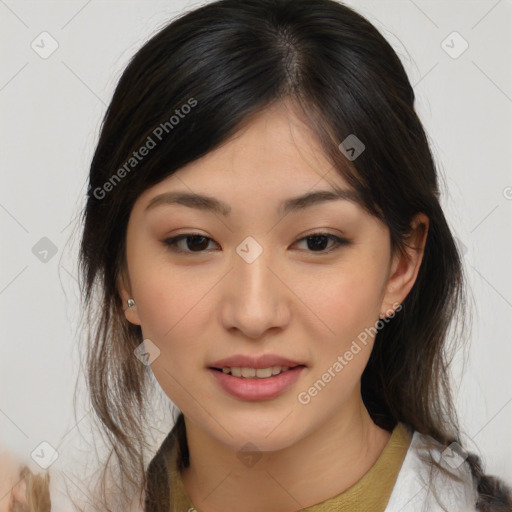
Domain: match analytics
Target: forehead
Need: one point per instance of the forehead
(273, 155)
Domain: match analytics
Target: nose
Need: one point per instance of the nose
(255, 299)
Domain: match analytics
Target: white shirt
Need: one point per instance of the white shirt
(415, 490)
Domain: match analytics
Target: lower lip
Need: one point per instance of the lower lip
(257, 389)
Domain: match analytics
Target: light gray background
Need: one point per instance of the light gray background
(51, 111)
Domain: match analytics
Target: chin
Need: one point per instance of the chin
(266, 434)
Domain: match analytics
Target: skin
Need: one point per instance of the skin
(12, 486)
(294, 300)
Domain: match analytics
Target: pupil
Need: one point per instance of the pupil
(321, 245)
(195, 237)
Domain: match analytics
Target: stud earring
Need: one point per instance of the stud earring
(130, 303)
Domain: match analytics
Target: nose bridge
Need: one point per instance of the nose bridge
(251, 272)
(254, 297)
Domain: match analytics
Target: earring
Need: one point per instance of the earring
(130, 303)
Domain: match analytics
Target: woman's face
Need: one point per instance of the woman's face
(248, 284)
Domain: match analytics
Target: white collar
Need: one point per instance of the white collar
(415, 490)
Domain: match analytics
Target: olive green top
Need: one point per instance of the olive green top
(369, 494)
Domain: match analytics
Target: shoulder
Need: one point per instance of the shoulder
(423, 487)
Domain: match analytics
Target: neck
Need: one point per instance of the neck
(319, 466)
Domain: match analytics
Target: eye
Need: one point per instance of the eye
(195, 243)
(318, 241)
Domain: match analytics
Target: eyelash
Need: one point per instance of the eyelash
(171, 243)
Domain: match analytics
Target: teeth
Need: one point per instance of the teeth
(248, 372)
(251, 373)
(263, 373)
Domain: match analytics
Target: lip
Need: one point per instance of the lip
(256, 388)
(263, 361)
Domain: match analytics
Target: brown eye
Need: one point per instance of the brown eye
(193, 243)
(317, 242)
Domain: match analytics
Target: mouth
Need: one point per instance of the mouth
(255, 373)
(256, 384)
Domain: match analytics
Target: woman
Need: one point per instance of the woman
(309, 376)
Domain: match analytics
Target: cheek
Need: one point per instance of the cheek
(348, 304)
(162, 294)
(349, 299)
(172, 308)
(173, 315)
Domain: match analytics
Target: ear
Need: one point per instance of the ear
(124, 288)
(405, 265)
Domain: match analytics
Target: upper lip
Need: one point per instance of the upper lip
(263, 361)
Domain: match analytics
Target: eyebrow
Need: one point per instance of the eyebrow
(211, 204)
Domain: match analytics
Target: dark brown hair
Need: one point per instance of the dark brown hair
(234, 58)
